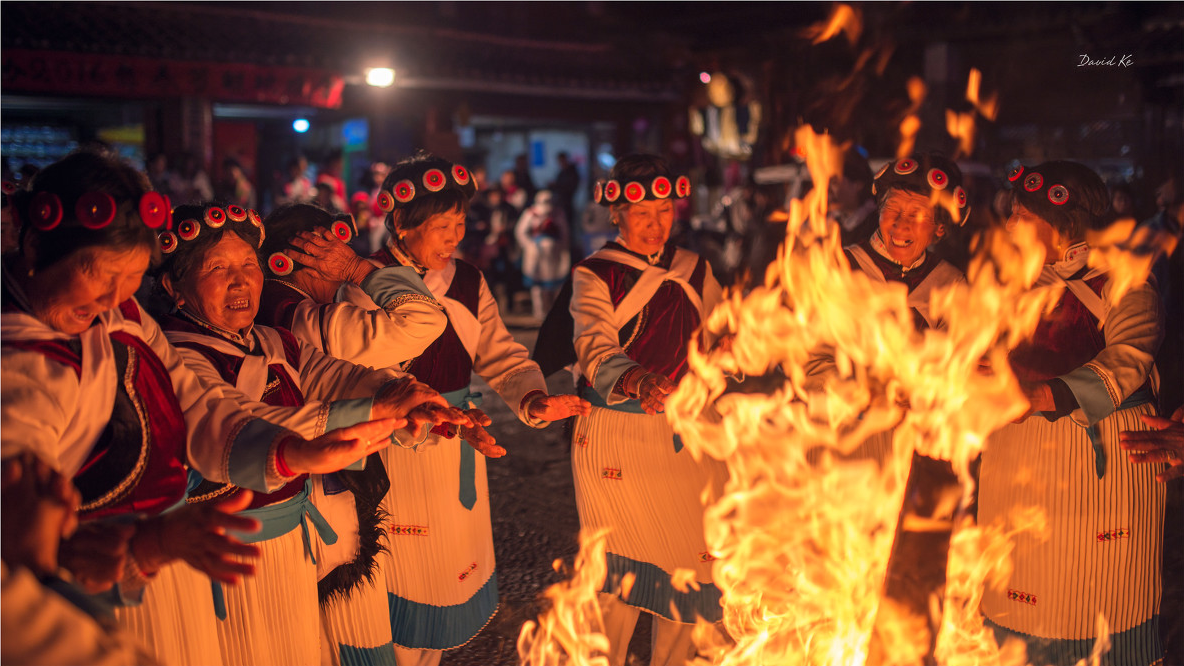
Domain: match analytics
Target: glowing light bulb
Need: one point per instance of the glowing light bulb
(380, 77)
(300, 125)
(704, 77)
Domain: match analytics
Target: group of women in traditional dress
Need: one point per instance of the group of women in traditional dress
(288, 465)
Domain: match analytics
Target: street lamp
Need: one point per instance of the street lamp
(380, 77)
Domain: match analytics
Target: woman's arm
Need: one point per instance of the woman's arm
(601, 358)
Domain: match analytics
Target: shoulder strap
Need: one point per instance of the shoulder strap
(651, 280)
(463, 321)
(866, 264)
(1097, 306)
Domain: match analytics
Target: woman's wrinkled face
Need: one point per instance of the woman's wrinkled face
(907, 226)
(1046, 235)
(434, 242)
(645, 225)
(68, 295)
(223, 286)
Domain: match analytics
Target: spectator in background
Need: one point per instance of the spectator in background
(298, 188)
(542, 236)
(1122, 201)
(157, 168)
(330, 174)
(850, 200)
(366, 241)
(512, 192)
(325, 198)
(191, 183)
(522, 179)
(235, 187)
(378, 172)
(498, 253)
(564, 189)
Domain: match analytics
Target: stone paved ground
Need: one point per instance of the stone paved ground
(534, 521)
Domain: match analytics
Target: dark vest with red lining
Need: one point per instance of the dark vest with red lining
(658, 336)
(281, 391)
(1065, 339)
(445, 365)
(147, 454)
(894, 272)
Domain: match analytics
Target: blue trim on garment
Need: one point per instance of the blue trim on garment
(462, 398)
(348, 412)
(545, 284)
(386, 283)
(276, 520)
(383, 655)
(250, 453)
(428, 627)
(653, 591)
(1138, 646)
(1140, 397)
(1090, 391)
(607, 374)
(632, 406)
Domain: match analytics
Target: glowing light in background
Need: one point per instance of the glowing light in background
(705, 77)
(380, 77)
(300, 125)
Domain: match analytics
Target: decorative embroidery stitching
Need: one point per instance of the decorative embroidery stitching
(1111, 535)
(1022, 597)
(409, 530)
(706, 557)
(125, 486)
(581, 440)
(399, 300)
(1110, 389)
(611, 473)
(467, 572)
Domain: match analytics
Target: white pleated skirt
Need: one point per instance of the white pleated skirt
(272, 618)
(1102, 550)
(440, 568)
(176, 620)
(628, 478)
(357, 629)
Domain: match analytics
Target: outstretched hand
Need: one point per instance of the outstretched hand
(476, 436)
(556, 407)
(197, 534)
(1165, 444)
(652, 391)
(336, 449)
(328, 256)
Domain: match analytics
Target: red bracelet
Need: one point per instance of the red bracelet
(281, 467)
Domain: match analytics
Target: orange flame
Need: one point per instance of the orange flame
(911, 123)
(842, 19)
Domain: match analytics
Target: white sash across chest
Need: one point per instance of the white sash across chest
(252, 374)
(941, 275)
(651, 279)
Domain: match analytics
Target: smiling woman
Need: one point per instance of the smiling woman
(91, 386)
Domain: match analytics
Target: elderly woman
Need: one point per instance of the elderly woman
(211, 270)
(90, 384)
(1086, 372)
(441, 579)
(637, 304)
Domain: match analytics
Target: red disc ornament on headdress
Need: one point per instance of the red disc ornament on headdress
(1033, 182)
(342, 231)
(682, 187)
(460, 175)
(1058, 194)
(8, 187)
(215, 217)
(1015, 173)
(634, 192)
(598, 192)
(46, 210)
(188, 229)
(433, 179)
(937, 179)
(168, 242)
(280, 263)
(95, 210)
(960, 196)
(236, 214)
(905, 167)
(404, 191)
(155, 210)
(661, 187)
(253, 216)
(612, 191)
(386, 203)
